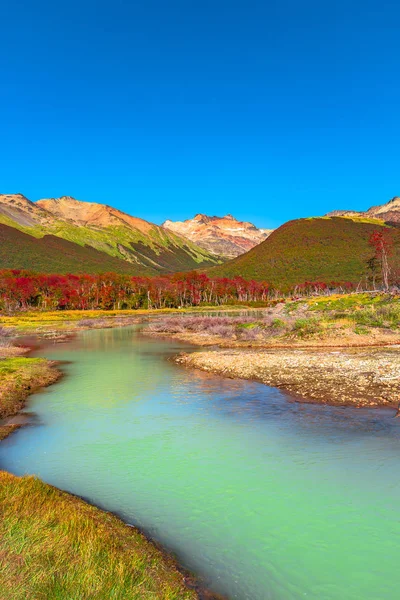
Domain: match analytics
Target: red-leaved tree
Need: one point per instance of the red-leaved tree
(382, 243)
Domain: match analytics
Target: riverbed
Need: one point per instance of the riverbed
(264, 498)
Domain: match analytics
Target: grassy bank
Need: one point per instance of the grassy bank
(20, 377)
(348, 320)
(53, 545)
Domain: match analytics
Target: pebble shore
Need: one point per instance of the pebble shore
(347, 377)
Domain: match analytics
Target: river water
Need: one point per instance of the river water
(262, 497)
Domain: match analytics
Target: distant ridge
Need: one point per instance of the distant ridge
(222, 236)
(389, 212)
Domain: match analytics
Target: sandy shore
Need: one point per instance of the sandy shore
(346, 377)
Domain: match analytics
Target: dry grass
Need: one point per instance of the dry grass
(36, 321)
(346, 320)
(20, 377)
(6, 430)
(32, 320)
(55, 546)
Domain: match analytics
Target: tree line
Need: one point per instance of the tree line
(23, 290)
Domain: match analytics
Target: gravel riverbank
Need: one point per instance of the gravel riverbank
(355, 377)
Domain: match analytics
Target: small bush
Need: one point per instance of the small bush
(86, 322)
(251, 334)
(340, 315)
(278, 323)
(221, 330)
(306, 327)
(361, 330)
(5, 335)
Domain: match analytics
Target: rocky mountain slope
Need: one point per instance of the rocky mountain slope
(389, 212)
(324, 249)
(222, 236)
(148, 248)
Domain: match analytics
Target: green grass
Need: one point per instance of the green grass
(26, 321)
(370, 220)
(319, 249)
(363, 311)
(346, 301)
(248, 325)
(10, 366)
(379, 315)
(54, 546)
(371, 310)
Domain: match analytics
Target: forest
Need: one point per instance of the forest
(25, 290)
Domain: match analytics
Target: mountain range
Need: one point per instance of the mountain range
(222, 236)
(89, 237)
(60, 235)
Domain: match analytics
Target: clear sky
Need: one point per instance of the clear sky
(269, 110)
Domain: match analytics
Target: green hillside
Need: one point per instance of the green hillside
(51, 254)
(113, 234)
(319, 249)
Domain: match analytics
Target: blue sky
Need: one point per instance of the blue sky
(266, 110)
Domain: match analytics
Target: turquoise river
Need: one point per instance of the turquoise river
(261, 497)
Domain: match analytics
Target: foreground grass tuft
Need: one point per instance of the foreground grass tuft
(53, 545)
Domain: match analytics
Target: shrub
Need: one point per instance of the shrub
(5, 332)
(306, 327)
(278, 323)
(386, 315)
(5, 337)
(251, 334)
(361, 330)
(222, 330)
